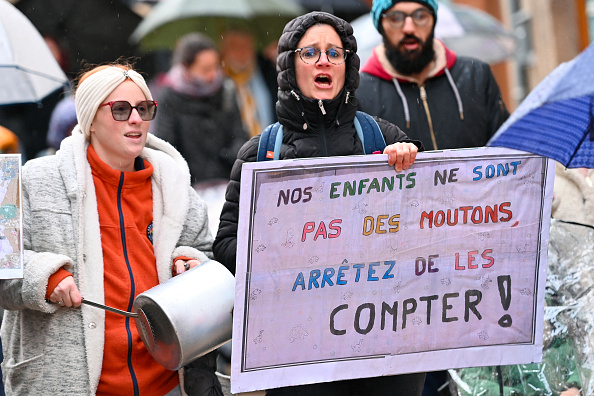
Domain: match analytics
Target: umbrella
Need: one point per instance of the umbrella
(171, 19)
(466, 30)
(346, 9)
(95, 31)
(352, 6)
(28, 70)
(484, 37)
(556, 119)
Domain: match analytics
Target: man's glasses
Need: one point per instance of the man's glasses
(121, 109)
(420, 17)
(335, 55)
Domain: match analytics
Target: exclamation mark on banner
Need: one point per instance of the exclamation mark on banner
(504, 284)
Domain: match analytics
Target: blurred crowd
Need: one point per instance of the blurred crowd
(213, 97)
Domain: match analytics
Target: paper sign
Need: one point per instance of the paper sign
(349, 269)
(11, 242)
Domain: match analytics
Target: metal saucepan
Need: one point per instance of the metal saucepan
(185, 317)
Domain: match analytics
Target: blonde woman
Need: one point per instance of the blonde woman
(111, 215)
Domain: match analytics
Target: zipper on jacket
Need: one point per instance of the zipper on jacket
(321, 106)
(429, 120)
(132, 287)
(324, 140)
(323, 126)
(322, 131)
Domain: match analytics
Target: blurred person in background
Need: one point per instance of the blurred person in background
(256, 93)
(414, 81)
(59, 50)
(109, 216)
(29, 121)
(267, 65)
(61, 123)
(198, 112)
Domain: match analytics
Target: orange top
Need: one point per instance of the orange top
(125, 206)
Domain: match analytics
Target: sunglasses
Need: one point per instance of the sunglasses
(121, 109)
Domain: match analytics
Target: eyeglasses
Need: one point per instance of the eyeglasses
(420, 17)
(121, 109)
(335, 55)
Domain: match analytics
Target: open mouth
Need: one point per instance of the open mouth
(323, 80)
(133, 134)
(411, 44)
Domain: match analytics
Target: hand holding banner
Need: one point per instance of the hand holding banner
(349, 269)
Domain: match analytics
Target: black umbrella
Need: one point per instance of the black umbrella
(95, 31)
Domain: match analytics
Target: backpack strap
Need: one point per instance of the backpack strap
(370, 133)
(367, 129)
(270, 143)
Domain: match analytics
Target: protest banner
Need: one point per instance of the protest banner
(11, 237)
(349, 269)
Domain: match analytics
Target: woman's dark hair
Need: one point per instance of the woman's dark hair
(189, 45)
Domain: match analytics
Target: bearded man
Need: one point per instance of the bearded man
(414, 81)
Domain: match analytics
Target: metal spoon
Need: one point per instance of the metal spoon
(110, 309)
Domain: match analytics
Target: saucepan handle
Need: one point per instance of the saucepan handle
(110, 309)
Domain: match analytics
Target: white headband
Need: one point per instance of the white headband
(95, 88)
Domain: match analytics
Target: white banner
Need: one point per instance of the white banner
(348, 269)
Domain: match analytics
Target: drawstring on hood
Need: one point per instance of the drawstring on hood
(300, 108)
(456, 92)
(405, 103)
(379, 65)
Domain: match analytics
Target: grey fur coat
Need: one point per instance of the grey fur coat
(50, 350)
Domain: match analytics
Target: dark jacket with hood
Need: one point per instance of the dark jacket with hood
(458, 106)
(312, 128)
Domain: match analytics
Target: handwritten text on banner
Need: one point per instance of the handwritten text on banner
(349, 269)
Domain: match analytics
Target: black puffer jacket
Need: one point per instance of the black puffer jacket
(463, 108)
(207, 131)
(308, 132)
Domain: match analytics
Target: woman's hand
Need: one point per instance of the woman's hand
(66, 294)
(182, 266)
(401, 155)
